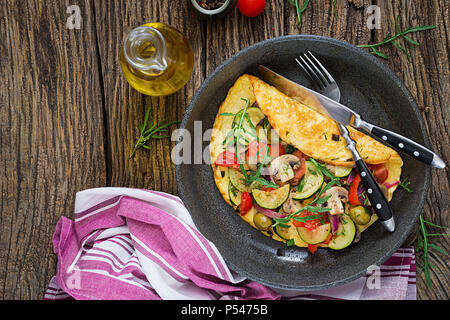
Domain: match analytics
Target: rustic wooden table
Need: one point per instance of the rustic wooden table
(68, 118)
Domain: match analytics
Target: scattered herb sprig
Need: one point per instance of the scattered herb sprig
(405, 185)
(423, 242)
(393, 39)
(150, 129)
(302, 8)
(299, 9)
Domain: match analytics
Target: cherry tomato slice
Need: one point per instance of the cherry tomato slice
(380, 172)
(246, 203)
(299, 173)
(227, 159)
(277, 150)
(257, 151)
(310, 224)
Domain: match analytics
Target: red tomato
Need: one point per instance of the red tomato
(380, 172)
(251, 8)
(309, 224)
(246, 203)
(353, 191)
(257, 151)
(267, 189)
(299, 173)
(227, 159)
(276, 150)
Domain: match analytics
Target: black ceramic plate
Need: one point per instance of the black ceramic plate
(368, 87)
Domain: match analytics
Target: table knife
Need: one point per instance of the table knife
(347, 116)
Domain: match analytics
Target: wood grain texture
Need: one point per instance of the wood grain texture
(426, 75)
(125, 108)
(68, 118)
(51, 135)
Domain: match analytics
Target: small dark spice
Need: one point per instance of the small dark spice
(210, 4)
(335, 137)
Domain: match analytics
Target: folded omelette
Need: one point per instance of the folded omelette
(286, 170)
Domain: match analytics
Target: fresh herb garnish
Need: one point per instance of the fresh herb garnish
(405, 185)
(290, 242)
(237, 133)
(299, 9)
(301, 185)
(392, 39)
(326, 171)
(334, 8)
(290, 149)
(151, 130)
(423, 242)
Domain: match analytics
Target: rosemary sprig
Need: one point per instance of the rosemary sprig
(151, 130)
(405, 185)
(423, 243)
(392, 39)
(299, 9)
(334, 8)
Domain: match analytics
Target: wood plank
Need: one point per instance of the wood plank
(51, 135)
(125, 107)
(227, 36)
(426, 75)
(349, 24)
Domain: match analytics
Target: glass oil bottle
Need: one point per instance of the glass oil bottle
(156, 59)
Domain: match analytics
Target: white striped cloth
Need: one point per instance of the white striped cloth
(140, 244)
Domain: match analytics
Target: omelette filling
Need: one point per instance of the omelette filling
(288, 195)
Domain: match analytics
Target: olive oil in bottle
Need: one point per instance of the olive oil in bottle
(156, 59)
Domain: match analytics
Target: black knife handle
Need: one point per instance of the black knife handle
(377, 199)
(406, 145)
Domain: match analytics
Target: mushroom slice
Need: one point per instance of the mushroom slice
(281, 167)
(291, 205)
(339, 195)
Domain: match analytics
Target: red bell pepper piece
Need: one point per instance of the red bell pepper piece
(353, 191)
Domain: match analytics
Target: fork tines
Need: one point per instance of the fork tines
(308, 62)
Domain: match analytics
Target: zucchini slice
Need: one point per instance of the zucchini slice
(283, 233)
(272, 199)
(318, 235)
(310, 184)
(234, 194)
(339, 171)
(261, 133)
(249, 132)
(237, 180)
(344, 235)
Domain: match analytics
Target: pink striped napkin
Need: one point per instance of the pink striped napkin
(139, 244)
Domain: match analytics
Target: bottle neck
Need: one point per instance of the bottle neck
(145, 49)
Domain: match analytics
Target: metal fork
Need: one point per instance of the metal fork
(327, 86)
